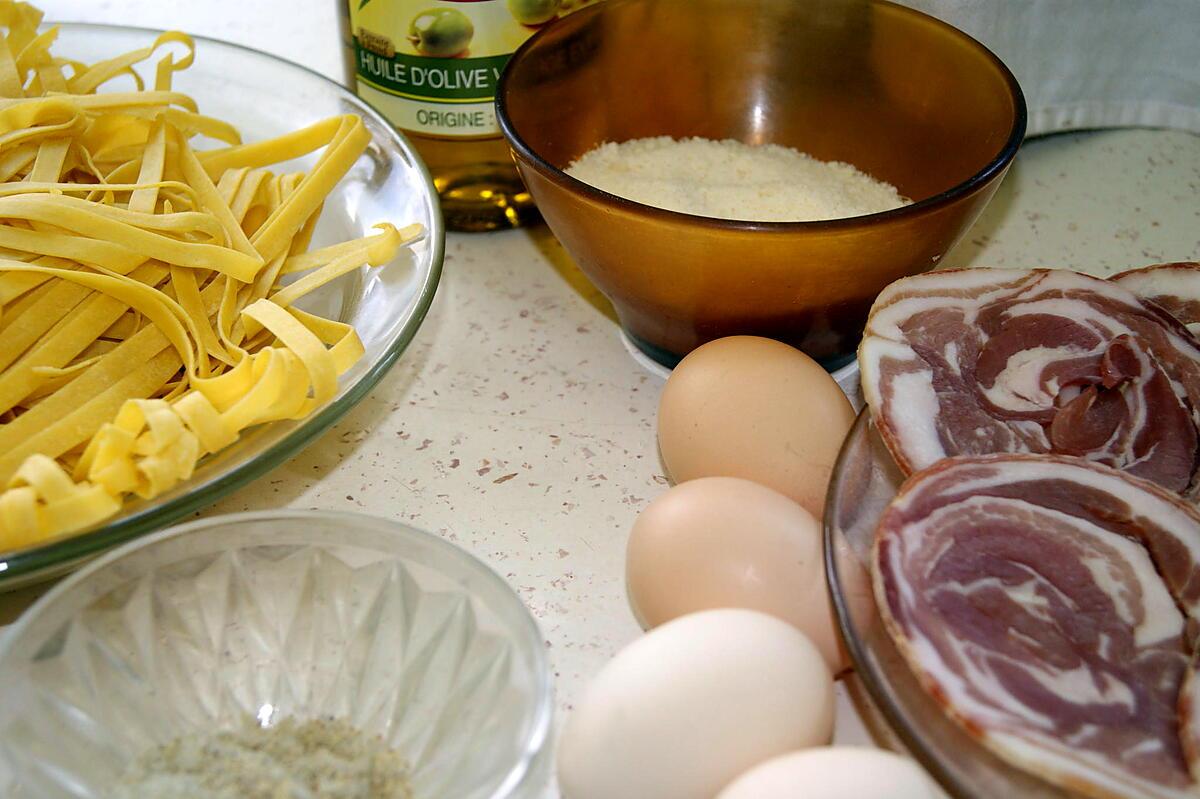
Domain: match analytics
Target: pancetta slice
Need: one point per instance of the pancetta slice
(1189, 716)
(1044, 601)
(980, 361)
(1173, 287)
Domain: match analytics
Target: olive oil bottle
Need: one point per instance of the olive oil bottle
(431, 67)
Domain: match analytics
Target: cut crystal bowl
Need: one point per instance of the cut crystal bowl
(270, 615)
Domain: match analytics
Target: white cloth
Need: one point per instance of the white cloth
(1091, 63)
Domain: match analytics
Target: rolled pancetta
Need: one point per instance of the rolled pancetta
(980, 361)
(1045, 602)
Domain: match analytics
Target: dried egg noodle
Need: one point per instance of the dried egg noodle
(142, 321)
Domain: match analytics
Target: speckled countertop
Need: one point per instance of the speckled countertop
(517, 425)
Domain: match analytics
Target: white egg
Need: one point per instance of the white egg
(687, 707)
(841, 772)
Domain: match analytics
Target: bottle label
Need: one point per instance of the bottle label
(431, 66)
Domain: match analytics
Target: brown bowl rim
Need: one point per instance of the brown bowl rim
(994, 167)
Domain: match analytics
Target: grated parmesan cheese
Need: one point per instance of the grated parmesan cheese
(731, 180)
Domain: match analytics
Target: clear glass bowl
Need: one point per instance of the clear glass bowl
(271, 615)
(265, 96)
(865, 479)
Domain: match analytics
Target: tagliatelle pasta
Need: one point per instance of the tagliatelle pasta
(143, 321)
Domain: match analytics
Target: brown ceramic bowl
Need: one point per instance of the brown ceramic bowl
(902, 96)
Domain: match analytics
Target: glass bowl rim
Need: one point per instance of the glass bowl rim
(32, 564)
(990, 170)
(855, 645)
(531, 639)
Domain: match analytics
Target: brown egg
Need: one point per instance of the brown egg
(752, 407)
(724, 542)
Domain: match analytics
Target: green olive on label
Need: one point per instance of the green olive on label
(533, 12)
(441, 32)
